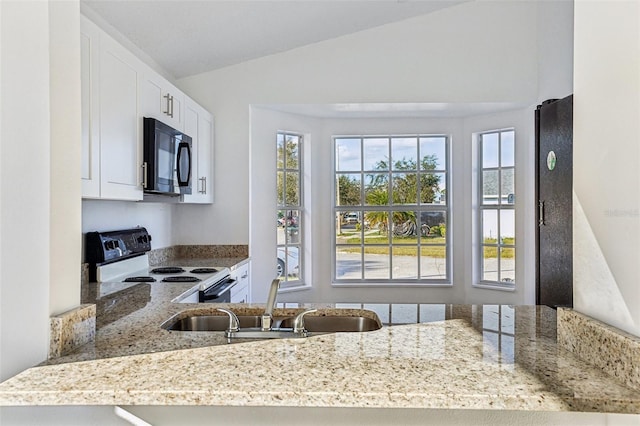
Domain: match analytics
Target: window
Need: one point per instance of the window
(391, 209)
(497, 208)
(289, 208)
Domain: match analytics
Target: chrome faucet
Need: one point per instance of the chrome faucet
(267, 316)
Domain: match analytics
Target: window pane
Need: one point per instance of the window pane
(376, 154)
(377, 189)
(507, 155)
(432, 153)
(376, 225)
(405, 188)
(507, 186)
(507, 265)
(348, 190)
(348, 262)
(433, 227)
(290, 255)
(292, 189)
(280, 188)
(489, 264)
(292, 232)
(490, 226)
(404, 153)
(433, 262)
(376, 263)
(490, 150)
(490, 187)
(348, 155)
(405, 262)
(281, 226)
(432, 188)
(292, 147)
(507, 227)
(280, 151)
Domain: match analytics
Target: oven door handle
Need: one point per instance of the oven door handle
(220, 289)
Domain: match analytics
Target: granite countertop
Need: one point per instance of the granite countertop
(443, 356)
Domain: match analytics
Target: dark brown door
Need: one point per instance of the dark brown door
(554, 180)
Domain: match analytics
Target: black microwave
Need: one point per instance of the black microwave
(167, 159)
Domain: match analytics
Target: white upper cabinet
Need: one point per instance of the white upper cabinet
(161, 100)
(198, 123)
(90, 48)
(111, 138)
(118, 91)
(120, 138)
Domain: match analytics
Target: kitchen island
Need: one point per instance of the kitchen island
(484, 357)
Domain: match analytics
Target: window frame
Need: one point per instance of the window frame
(498, 207)
(418, 207)
(286, 282)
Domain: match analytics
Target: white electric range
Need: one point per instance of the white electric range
(118, 257)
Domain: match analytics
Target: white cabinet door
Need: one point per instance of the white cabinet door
(90, 59)
(120, 140)
(240, 292)
(198, 123)
(161, 100)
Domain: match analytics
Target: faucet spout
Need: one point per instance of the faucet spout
(267, 316)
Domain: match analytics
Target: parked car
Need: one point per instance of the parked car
(289, 257)
(352, 217)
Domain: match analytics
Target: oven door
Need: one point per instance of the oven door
(219, 292)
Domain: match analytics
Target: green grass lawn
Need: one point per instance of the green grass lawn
(437, 250)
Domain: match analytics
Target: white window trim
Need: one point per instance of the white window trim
(401, 282)
(478, 255)
(299, 284)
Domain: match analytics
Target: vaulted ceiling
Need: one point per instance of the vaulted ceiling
(190, 37)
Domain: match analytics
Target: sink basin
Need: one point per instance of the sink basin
(210, 322)
(332, 324)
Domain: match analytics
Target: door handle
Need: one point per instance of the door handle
(541, 213)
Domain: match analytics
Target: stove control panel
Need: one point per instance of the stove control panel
(107, 247)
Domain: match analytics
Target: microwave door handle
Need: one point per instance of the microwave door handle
(183, 146)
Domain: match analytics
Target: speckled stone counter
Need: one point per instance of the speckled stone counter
(426, 356)
(451, 356)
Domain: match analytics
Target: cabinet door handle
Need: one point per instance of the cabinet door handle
(244, 276)
(144, 175)
(541, 213)
(204, 185)
(169, 110)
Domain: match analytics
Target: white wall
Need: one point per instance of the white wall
(105, 215)
(459, 54)
(36, 240)
(65, 112)
(606, 158)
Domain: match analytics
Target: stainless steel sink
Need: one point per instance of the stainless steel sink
(210, 322)
(333, 324)
(281, 325)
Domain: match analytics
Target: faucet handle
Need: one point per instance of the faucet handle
(298, 321)
(234, 322)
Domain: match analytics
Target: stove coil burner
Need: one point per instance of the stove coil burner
(181, 279)
(167, 270)
(204, 271)
(139, 280)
